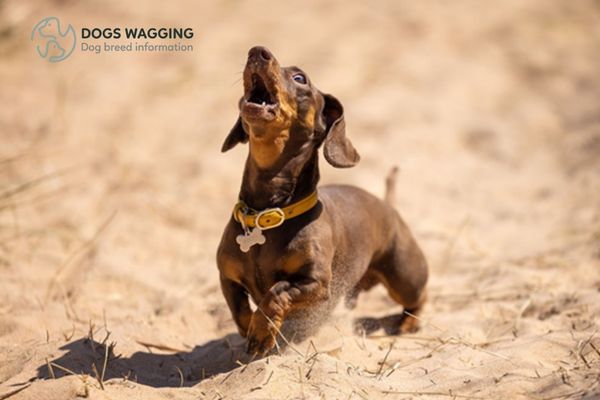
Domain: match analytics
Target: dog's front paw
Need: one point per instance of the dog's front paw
(261, 334)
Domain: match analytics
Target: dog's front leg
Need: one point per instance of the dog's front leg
(237, 300)
(270, 314)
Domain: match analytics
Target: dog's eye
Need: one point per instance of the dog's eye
(299, 78)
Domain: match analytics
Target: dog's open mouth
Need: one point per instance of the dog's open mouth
(260, 102)
(259, 93)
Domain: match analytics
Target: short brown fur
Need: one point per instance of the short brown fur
(350, 241)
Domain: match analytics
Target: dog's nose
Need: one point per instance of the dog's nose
(259, 53)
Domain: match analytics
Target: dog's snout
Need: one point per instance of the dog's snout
(260, 53)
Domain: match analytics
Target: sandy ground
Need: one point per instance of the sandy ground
(113, 196)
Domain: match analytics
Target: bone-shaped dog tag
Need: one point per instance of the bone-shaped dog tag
(247, 240)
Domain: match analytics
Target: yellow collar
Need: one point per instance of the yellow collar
(272, 217)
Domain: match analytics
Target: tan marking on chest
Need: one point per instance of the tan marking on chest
(266, 150)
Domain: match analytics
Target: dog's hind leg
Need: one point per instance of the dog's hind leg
(365, 284)
(404, 274)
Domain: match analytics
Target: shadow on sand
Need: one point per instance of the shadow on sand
(148, 368)
(390, 324)
(183, 368)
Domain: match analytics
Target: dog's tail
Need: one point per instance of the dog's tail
(390, 186)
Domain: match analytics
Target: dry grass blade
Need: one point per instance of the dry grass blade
(11, 159)
(158, 346)
(106, 347)
(29, 184)
(83, 249)
(588, 341)
(416, 360)
(227, 377)
(90, 337)
(181, 380)
(98, 378)
(64, 369)
(50, 370)
(268, 379)
(69, 336)
(385, 359)
(4, 396)
(595, 349)
(249, 361)
(458, 340)
(308, 373)
(441, 394)
(311, 344)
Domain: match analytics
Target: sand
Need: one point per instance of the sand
(113, 197)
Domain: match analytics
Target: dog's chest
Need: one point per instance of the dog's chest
(258, 277)
(258, 280)
(265, 266)
(281, 256)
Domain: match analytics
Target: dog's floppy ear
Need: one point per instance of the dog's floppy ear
(236, 135)
(338, 150)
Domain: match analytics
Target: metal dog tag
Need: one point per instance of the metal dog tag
(249, 239)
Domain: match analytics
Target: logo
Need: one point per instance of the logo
(51, 42)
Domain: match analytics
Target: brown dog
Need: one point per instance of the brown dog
(339, 243)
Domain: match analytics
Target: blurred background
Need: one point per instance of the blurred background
(114, 193)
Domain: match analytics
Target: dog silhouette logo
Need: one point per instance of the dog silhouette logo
(52, 43)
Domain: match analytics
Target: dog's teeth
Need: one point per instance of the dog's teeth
(264, 103)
